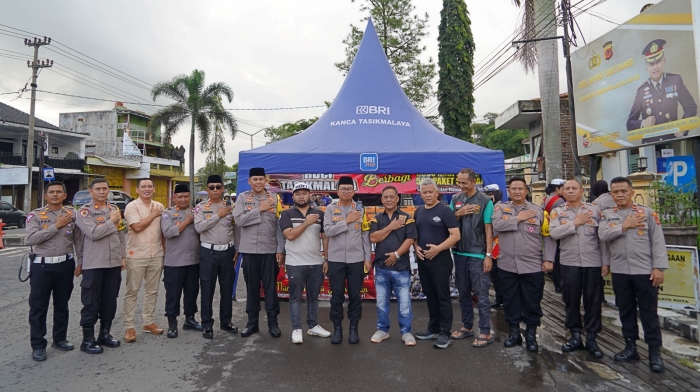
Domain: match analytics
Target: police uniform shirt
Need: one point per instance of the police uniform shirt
(181, 248)
(305, 249)
(560, 202)
(394, 240)
(259, 230)
(48, 240)
(579, 246)
(104, 243)
(520, 243)
(212, 229)
(660, 100)
(603, 202)
(638, 250)
(347, 243)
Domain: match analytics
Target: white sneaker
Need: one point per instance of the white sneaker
(297, 336)
(319, 331)
(408, 339)
(379, 336)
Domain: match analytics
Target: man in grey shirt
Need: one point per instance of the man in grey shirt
(302, 226)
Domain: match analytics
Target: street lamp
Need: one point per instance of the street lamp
(642, 164)
(251, 135)
(541, 176)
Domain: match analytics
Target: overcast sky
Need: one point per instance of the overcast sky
(273, 53)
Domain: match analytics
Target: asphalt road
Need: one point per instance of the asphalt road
(229, 362)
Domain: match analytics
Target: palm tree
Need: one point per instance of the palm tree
(539, 21)
(194, 102)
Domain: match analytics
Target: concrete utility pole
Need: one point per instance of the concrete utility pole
(566, 13)
(35, 66)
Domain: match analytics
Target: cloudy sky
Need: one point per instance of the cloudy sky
(273, 53)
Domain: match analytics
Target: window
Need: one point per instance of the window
(54, 150)
(5, 207)
(117, 196)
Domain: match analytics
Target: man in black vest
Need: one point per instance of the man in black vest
(472, 255)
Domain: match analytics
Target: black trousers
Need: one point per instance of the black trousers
(47, 280)
(522, 294)
(338, 274)
(494, 280)
(99, 290)
(556, 269)
(179, 279)
(215, 264)
(261, 268)
(632, 291)
(587, 282)
(435, 278)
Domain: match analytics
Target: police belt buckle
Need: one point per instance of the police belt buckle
(217, 247)
(52, 260)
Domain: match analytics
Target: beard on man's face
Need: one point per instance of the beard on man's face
(299, 204)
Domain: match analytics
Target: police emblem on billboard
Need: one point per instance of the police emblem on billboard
(608, 47)
(594, 61)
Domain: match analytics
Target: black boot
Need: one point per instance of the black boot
(574, 343)
(191, 323)
(272, 325)
(252, 326)
(105, 339)
(629, 353)
(172, 327)
(354, 335)
(531, 338)
(89, 345)
(514, 338)
(592, 345)
(656, 364)
(337, 336)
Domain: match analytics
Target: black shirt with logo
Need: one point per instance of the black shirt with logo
(432, 224)
(393, 241)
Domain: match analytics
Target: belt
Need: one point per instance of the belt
(217, 247)
(52, 260)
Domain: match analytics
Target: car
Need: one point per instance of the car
(12, 216)
(118, 197)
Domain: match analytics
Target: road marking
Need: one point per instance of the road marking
(13, 251)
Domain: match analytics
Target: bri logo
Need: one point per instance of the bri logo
(364, 109)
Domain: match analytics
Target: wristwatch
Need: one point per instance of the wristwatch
(488, 254)
(397, 255)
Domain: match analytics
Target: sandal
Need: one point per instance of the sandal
(482, 342)
(462, 333)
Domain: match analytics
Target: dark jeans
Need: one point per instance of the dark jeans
(469, 273)
(632, 291)
(522, 294)
(215, 264)
(435, 278)
(261, 268)
(339, 273)
(311, 278)
(99, 290)
(586, 282)
(179, 279)
(494, 280)
(47, 280)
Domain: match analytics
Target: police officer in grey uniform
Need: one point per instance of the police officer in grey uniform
(519, 225)
(638, 259)
(52, 233)
(104, 257)
(181, 264)
(214, 223)
(583, 263)
(262, 246)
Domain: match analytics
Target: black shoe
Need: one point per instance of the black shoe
(592, 346)
(515, 338)
(274, 330)
(104, 338)
(531, 338)
(557, 290)
(354, 337)
(234, 298)
(191, 323)
(89, 345)
(427, 335)
(172, 327)
(207, 333)
(337, 336)
(229, 328)
(496, 304)
(656, 364)
(249, 330)
(443, 341)
(63, 345)
(629, 353)
(39, 354)
(574, 343)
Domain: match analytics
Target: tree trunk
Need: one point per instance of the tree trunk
(548, 75)
(192, 190)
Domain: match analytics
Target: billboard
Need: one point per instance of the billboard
(637, 85)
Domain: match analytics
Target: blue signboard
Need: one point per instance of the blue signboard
(369, 161)
(49, 174)
(679, 171)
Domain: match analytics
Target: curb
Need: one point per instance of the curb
(13, 240)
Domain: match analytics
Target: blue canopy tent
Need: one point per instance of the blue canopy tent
(372, 127)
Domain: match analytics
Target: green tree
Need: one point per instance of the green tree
(284, 131)
(456, 62)
(400, 33)
(195, 102)
(509, 141)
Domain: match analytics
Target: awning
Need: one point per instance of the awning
(114, 162)
(74, 172)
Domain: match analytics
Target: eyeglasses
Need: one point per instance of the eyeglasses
(215, 187)
(345, 190)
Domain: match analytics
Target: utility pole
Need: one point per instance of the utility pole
(251, 136)
(42, 142)
(566, 10)
(35, 66)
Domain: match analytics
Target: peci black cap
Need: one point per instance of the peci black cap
(345, 180)
(181, 188)
(215, 179)
(256, 171)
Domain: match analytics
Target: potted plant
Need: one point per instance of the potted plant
(677, 209)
